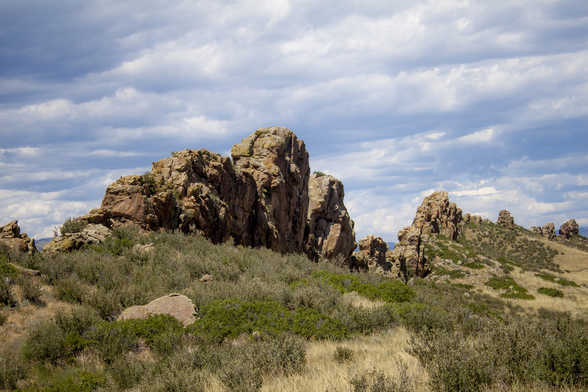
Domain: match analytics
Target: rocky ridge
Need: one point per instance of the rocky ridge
(259, 198)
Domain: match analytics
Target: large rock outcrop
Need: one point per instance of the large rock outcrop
(547, 231)
(90, 234)
(175, 305)
(329, 231)
(437, 215)
(505, 219)
(569, 229)
(11, 236)
(278, 163)
(259, 198)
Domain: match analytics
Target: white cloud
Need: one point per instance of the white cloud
(483, 136)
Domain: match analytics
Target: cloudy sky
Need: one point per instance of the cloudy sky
(485, 99)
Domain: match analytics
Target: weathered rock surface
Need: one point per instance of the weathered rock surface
(278, 163)
(260, 198)
(569, 228)
(547, 231)
(472, 219)
(330, 229)
(372, 254)
(11, 236)
(436, 215)
(176, 305)
(91, 234)
(505, 219)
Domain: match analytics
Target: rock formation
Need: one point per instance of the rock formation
(176, 305)
(372, 254)
(329, 231)
(569, 229)
(260, 198)
(505, 219)
(547, 231)
(436, 215)
(11, 236)
(90, 234)
(472, 219)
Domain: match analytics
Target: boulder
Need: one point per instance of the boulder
(505, 219)
(329, 231)
(278, 163)
(569, 229)
(11, 236)
(436, 215)
(175, 305)
(91, 234)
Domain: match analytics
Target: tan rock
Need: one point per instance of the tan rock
(330, 229)
(11, 236)
(569, 229)
(436, 215)
(144, 249)
(91, 234)
(175, 305)
(505, 219)
(206, 278)
(372, 254)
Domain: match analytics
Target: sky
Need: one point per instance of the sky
(486, 100)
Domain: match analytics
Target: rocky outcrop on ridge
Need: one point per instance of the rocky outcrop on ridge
(11, 236)
(436, 215)
(505, 219)
(547, 231)
(259, 198)
(569, 229)
(91, 234)
(329, 231)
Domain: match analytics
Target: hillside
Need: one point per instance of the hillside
(272, 322)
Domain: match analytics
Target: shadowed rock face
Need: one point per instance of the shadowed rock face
(569, 228)
(260, 198)
(330, 229)
(11, 236)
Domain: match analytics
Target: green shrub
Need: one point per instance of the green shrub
(72, 226)
(71, 380)
(70, 290)
(3, 318)
(343, 354)
(31, 289)
(233, 317)
(474, 265)
(388, 290)
(510, 288)
(366, 320)
(6, 297)
(376, 381)
(419, 317)
(12, 368)
(453, 274)
(550, 292)
(559, 280)
(127, 371)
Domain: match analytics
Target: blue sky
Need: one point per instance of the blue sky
(487, 100)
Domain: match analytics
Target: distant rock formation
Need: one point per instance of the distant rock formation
(330, 228)
(11, 236)
(547, 231)
(260, 198)
(569, 229)
(505, 219)
(372, 254)
(90, 234)
(472, 219)
(436, 215)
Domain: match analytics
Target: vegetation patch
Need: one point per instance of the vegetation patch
(552, 278)
(232, 317)
(510, 288)
(452, 273)
(72, 226)
(550, 292)
(389, 290)
(474, 265)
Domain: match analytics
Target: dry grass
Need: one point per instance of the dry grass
(358, 301)
(574, 261)
(323, 373)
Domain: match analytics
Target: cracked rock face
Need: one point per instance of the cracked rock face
(330, 228)
(437, 215)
